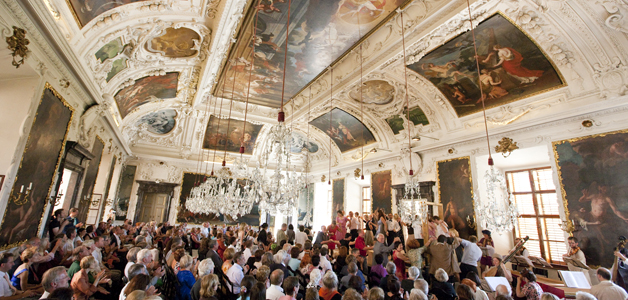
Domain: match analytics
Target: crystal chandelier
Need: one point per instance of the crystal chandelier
(412, 207)
(498, 213)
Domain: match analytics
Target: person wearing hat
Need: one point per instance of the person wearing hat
(487, 240)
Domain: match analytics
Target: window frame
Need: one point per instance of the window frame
(366, 197)
(539, 218)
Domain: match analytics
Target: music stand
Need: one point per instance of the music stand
(576, 263)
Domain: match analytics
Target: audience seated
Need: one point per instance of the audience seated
(441, 288)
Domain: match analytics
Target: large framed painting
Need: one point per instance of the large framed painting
(91, 173)
(146, 90)
(455, 192)
(321, 31)
(35, 176)
(251, 218)
(512, 67)
(226, 134)
(183, 214)
(593, 177)
(125, 185)
(159, 122)
(346, 130)
(86, 10)
(306, 206)
(337, 196)
(381, 191)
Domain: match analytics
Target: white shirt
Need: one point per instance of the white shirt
(300, 238)
(325, 264)
(480, 294)
(235, 275)
(471, 254)
(418, 229)
(355, 223)
(247, 254)
(97, 256)
(274, 292)
(607, 290)
(579, 256)
(393, 225)
(122, 295)
(5, 287)
(118, 240)
(204, 231)
(45, 295)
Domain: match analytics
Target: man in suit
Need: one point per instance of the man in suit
(213, 255)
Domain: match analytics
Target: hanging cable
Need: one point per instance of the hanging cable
(361, 99)
(405, 78)
(331, 104)
(477, 63)
(281, 116)
(251, 68)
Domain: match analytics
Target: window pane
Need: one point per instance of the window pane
(543, 180)
(557, 249)
(366, 207)
(554, 233)
(528, 227)
(548, 204)
(525, 204)
(519, 182)
(534, 247)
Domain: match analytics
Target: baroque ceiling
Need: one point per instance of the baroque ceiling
(175, 79)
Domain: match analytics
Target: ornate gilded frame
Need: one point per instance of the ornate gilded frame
(47, 86)
(440, 200)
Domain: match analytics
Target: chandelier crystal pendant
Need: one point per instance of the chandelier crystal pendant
(496, 212)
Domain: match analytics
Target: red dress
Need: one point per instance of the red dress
(332, 236)
(513, 66)
(401, 266)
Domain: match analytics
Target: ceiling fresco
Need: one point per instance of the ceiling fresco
(146, 90)
(86, 10)
(320, 32)
(345, 130)
(378, 92)
(300, 142)
(222, 134)
(110, 50)
(160, 122)
(513, 67)
(175, 43)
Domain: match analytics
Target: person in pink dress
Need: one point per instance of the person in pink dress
(341, 223)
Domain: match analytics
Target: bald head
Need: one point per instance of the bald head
(276, 277)
(502, 290)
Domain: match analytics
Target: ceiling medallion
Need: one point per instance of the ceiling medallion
(587, 123)
(506, 146)
(17, 43)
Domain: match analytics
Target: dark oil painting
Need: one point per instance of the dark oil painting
(593, 175)
(251, 218)
(145, 90)
(381, 191)
(338, 196)
(320, 32)
(86, 10)
(456, 194)
(38, 166)
(512, 67)
(226, 134)
(183, 214)
(125, 185)
(91, 173)
(346, 130)
(175, 42)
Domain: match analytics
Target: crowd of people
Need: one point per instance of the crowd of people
(354, 258)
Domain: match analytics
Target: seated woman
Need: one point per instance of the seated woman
(378, 271)
(530, 290)
(20, 276)
(498, 269)
(80, 282)
(316, 260)
(228, 260)
(330, 285)
(209, 287)
(185, 277)
(341, 259)
(442, 289)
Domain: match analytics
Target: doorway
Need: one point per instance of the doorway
(153, 207)
(68, 189)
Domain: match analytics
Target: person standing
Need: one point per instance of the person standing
(301, 236)
(72, 218)
(381, 248)
(470, 256)
(354, 225)
(281, 234)
(442, 256)
(291, 235)
(57, 224)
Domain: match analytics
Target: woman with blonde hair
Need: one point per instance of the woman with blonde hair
(209, 286)
(80, 282)
(228, 259)
(20, 276)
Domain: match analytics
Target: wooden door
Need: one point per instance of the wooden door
(153, 207)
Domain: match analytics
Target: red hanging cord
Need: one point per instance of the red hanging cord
(281, 116)
(405, 78)
(361, 99)
(331, 103)
(248, 91)
(477, 63)
(224, 158)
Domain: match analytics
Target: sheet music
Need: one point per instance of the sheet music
(540, 261)
(522, 260)
(493, 282)
(574, 279)
(576, 263)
